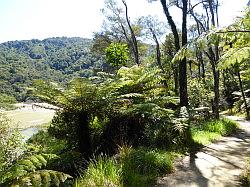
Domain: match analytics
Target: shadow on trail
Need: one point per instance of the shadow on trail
(201, 180)
(218, 164)
(187, 174)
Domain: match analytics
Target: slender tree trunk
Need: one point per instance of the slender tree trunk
(242, 92)
(199, 69)
(211, 9)
(215, 103)
(158, 52)
(224, 79)
(133, 38)
(214, 61)
(176, 42)
(217, 81)
(176, 79)
(190, 68)
(183, 82)
(171, 24)
(203, 67)
(183, 62)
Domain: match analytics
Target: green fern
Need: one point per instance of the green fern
(25, 166)
(43, 178)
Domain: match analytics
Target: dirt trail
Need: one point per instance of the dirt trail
(217, 165)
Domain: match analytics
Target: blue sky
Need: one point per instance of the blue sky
(28, 19)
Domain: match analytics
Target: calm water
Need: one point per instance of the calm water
(27, 133)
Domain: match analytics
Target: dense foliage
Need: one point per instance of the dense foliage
(11, 145)
(54, 59)
(121, 125)
(117, 54)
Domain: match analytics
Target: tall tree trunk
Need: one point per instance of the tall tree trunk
(211, 9)
(199, 69)
(183, 82)
(214, 61)
(242, 92)
(213, 57)
(183, 62)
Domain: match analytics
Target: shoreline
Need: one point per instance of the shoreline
(31, 115)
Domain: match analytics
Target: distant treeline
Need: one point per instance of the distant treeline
(56, 59)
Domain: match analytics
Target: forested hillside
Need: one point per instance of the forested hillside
(126, 110)
(53, 59)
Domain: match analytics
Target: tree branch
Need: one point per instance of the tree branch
(221, 32)
(192, 7)
(134, 41)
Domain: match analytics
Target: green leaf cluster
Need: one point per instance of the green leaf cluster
(117, 54)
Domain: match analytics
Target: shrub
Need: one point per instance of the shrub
(11, 144)
(201, 88)
(70, 162)
(208, 131)
(165, 135)
(102, 171)
(223, 126)
(131, 167)
(120, 130)
(117, 54)
(43, 142)
(142, 166)
(6, 102)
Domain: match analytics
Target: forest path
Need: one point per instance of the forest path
(216, 165)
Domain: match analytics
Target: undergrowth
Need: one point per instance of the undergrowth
(131, 167)
(142, 166)
(42, 142)
(209, 131)
(102, 171)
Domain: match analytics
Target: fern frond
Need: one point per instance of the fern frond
(25, 166)
(43, 178)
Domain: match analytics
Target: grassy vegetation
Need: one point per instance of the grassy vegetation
(102, 171)
(142, 166)
(131, 167)
(245, 178)
(208, 131)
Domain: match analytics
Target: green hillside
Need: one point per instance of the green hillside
(56, 59)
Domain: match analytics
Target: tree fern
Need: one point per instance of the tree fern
(43, 178)
(24, 166)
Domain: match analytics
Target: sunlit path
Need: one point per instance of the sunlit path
(218, 164)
